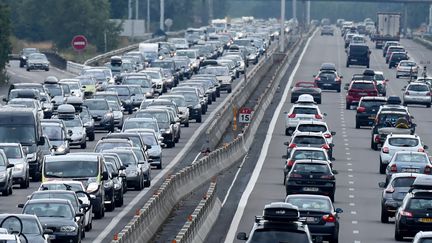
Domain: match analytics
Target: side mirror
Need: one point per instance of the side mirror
(333, 133)
(5, 99)
(105, 176)
(148, 147)
(141, 162)
(10, 166)
(286, 143)
(20, 205)
(325, 114)
(382, 185)
(425, 147)
(339, 210)
(79, 214)
(25, 150)
(41, 141)
(335, 172)
(84, 87)
(241, 236)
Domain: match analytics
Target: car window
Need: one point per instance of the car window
(309, 140)
(317, 204)
(272, 236)
(425, 240)
(67, 196)
(403, 181)
(403, 142)
(12, 152)
(364, 86)
(312, 128)
(305, 154)
(411, 158)
(49, 210)
(127, 158)
(371, 103)
(96, 104)
(110, 145)
(419, 88)
(327, 75)
(71, 169)
(420, 204)
(305, 110)
(311, 168)
(30, 226)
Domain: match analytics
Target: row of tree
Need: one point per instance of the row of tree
(5, 46)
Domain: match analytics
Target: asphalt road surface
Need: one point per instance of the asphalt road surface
(104, 229)
(357, 190)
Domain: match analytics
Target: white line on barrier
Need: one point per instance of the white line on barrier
(196, 157)
(255, 174)
(234, 180)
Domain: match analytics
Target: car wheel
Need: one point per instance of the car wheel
(367, 66)
(357, 124)
(347, 106)
(397, 235)
(287, 131)
(139, 186)
(397, 76)
(112, 128)
(390, 66)
(46, 69)
(186, 124)
(100, 214)
(111, 206)
(198, 119)
(91, 136)
(172, 144)
(159, 166)
(120, 202)
(404, 104)
(293, 100)
(82, 233)
(84, 145)
(24, 184)
(176, 140)
(319, 101)
(89, 226)
(28, 69)
(338, 90)
(147, 183)
(335, 238)
(347, 64)
(332, 196)
(428, 105)
(384, 216)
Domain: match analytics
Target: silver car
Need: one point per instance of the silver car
(15, 154)
(410, 162)
(118, 113)
(417, 93)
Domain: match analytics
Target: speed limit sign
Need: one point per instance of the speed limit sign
(245, 115)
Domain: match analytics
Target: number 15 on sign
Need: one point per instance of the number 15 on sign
(245, 118)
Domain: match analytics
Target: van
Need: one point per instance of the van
(85, 167)
(22, 125)
(358, 54)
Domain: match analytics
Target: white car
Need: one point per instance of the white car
(399, 142)
(417, 93)
(75, 186)
(74, 86)
(157, 80)
(316, 126)
(407, 68)
(301, 112)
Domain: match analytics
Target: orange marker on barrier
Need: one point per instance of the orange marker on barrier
(115, 236)
(190, 218)
(138, 212)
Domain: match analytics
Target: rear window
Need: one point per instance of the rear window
(312, 128)
(309, 140)
(403, 142)
(411, 158)
(305, 154)
(272, 235)
(327, 75)
(358, 49)
(403, 181)
(305, 110)
(363, 86)
(426, 240)
(314, 204)
(311, 168)
(371, 103)
(419, 88)
(420, 204)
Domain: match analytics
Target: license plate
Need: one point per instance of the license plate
(310, 189)
(371, 117)
(354, 60)
(307, 219)
(409, 170)
(362, 93)
(425, 220)
(51, 237)
(327, 84)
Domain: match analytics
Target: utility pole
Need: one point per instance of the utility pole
(294, 9)
(308, 7)
(136, 8)
(210, 5)
(130, 9)
(148, 16)
(282, 34)
(162, 14)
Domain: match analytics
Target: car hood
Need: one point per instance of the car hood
(55, 221)
(98, 112)
(16, 161)
(155, 150)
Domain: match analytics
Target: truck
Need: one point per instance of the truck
(388, 28)
(150, 51)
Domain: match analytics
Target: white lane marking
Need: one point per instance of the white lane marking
(258, 167)
(354, 222)
(357, 241)
(346, 144)
(196, 158)
(350, 176)
(349, 164)
(351, 196)
(234, 180)
(350, 182)
(346, 148)
(344, 135)
(356, 231)
(352, 204)
(353, 212)
(350, 170)
(351, 189)
(347, 153)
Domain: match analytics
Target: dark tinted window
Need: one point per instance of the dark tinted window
(420, 204)
(403, 142)
(309, 140)
(305, 154)
(371, 103)
(314, 204)
(71, 169)
(358, 49)
(305, 110)
(420, 88)
(363, 86)
(411, 158)
(311, 168)
(312, 128)
(426, 240)
(272, 236)
(403, 181)
(327, 75)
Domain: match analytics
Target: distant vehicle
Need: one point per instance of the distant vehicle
(37, 61)
(358, 54)
(388, 28)
(24, 55)
(327, 30)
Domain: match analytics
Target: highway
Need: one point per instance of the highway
(104, 229)
(357, 190)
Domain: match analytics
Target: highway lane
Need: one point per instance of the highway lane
(113, 222)
(357, 191)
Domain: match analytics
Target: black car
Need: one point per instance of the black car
(329, 80)
(394, 193)
(117, 183)
(31, 227)
(319, 214)
(125, 96)
(415, 213)
(358, 54)
(367, 109)
(280, 221)
(109, 200)
(311, 177)
(24, 55)
(6, 181)
(396, 57)
(306, 88)
(193, 103)
(102, 114)
(57, 215)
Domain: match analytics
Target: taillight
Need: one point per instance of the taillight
(390, 189)
(293, 115)
(317, 78)
(293, 145)
(427, 169)
(318, 116)
(393, 168)
(327, 135)
(328, 177)
(406, 93)
(406, 213)
(428, 93)
(325, 146)
(292, 175)
(420, 150)
(330, 218)
(377, 139)
(361, 109)
(290, 163)
(385, 150)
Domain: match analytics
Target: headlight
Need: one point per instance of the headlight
(61, 149)
(117, 186)
(88, 124)
(131, 172)
(18, 167)
(2, 175)
(92, 187)
(108, 183)
(109, 114)
(67, 228)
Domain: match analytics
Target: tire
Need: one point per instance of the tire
(428, 105)
(338, 90)
(176, 140)
(82, 233)
(159, 166)
(292, 100)
(374, 146)
(47, 69)
(198, 120)
(347, 106)
(111, 206)
(367, 66)
(112, 128)
(397, 235)
(397, 76)
(172, 144)
(89, 226)
(384, 216)
(357, 124)
(319, 102)
(390, 66)
(347, 64)
(91, 136)
(382, 167)
(229, 90)
(404, 104)
(28, 69)
(100, 214)
(25, 183)
(83, 145)
(120, 202)
(186, 124)
(139, 187)
(5, 192)
(147, 183)
(287, 131)
(335, 238)
(332, 197)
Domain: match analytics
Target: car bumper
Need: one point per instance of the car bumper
(391, 206)
(325, 231)
(109, 193)
(37, 67)
(417, 99)
(3, 185)
(103, 124)
(194, 113)
(365, 119)
(294, 188)
(156, 160)
(133, 180)
(96, 202)
(19, 177)
(331, 86)
(64, 237)
(406, 73)
(410, 229)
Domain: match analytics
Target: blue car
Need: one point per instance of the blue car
(410, 162)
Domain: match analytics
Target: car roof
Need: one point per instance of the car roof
(54, 192)
(307, 196)
(405, 174)
(410, 152)
(49, 200)
(72, 157)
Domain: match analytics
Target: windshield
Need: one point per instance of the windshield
(96, 104)
(305, 154)
(49, 210)
(372, 103)
(418, 88)
(71, 169)
(121, 91)
(145, 83)
(421, 204)
(72, 123)
(272, 236)
(149, 139)
(88, 81)
(30, 226)
(67, 196)
(408, 64)
(62, 186)
(180, 102)
(165, 65)
(37, 56)
(403, 142)
(134, 124)
(73, 86)
(411, 158)
(114, 106)
(127, 158)
(26, 103)
(363, 86)
(54, 133)
(154, 75)
(218, 71)
(110, 145)
(178, 41)
(312, 128)
(190, 54)
(308, 140)
(17, 134)
(314, 204)
(379, 77)
(12, 152)
(308, 168)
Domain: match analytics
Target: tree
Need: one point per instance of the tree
(5, 46)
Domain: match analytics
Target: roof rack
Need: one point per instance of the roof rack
(279, 211)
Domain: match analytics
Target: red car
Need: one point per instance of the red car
(358, 89)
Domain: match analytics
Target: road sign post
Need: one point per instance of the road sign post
(245, 115)
(79, 43)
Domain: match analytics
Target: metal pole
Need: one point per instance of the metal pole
(282, 30)
(294, 9)
(148, 16)
(130, 9)
(162, 14)
(405, 18)
(136, 8)
(210, 3)
(308, 6)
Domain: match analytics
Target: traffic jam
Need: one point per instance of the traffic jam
(140, 102)
(308, 213)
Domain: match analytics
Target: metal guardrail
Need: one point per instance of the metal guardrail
(147, 220)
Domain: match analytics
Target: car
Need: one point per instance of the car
(358, 89)
(407, 161)
(137, 140)
(392, 49)
(76, 132)
(327, 30)
(316, 126)
(118, 113)
(89, 123)
(157, 80)
(143, 163)
(28, 103)
(303, 87)
(387, 45)
(381, 82)
(358, 54)
(6, 174)
(117, 183)
(328, 80)
(367, 109)
(279, 222)
(417, 93)
(320, 215)
(142, 123)
(183, 108)
(199, 91)
(311, 177)
(397, 57)
(108, 143)
(222, 74)
(394, 192)
(16, 156)
(31, 228)
(37, 61)
(142, 80)
(422, 237)
(300, 112)
(399, 142)
(125, 95)
(25, 54)
(166, 126)
(300, 153)
(83, 197)
(56, 131)
(407, 68)
(102, 115)
(57, 215)
(414, 213)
